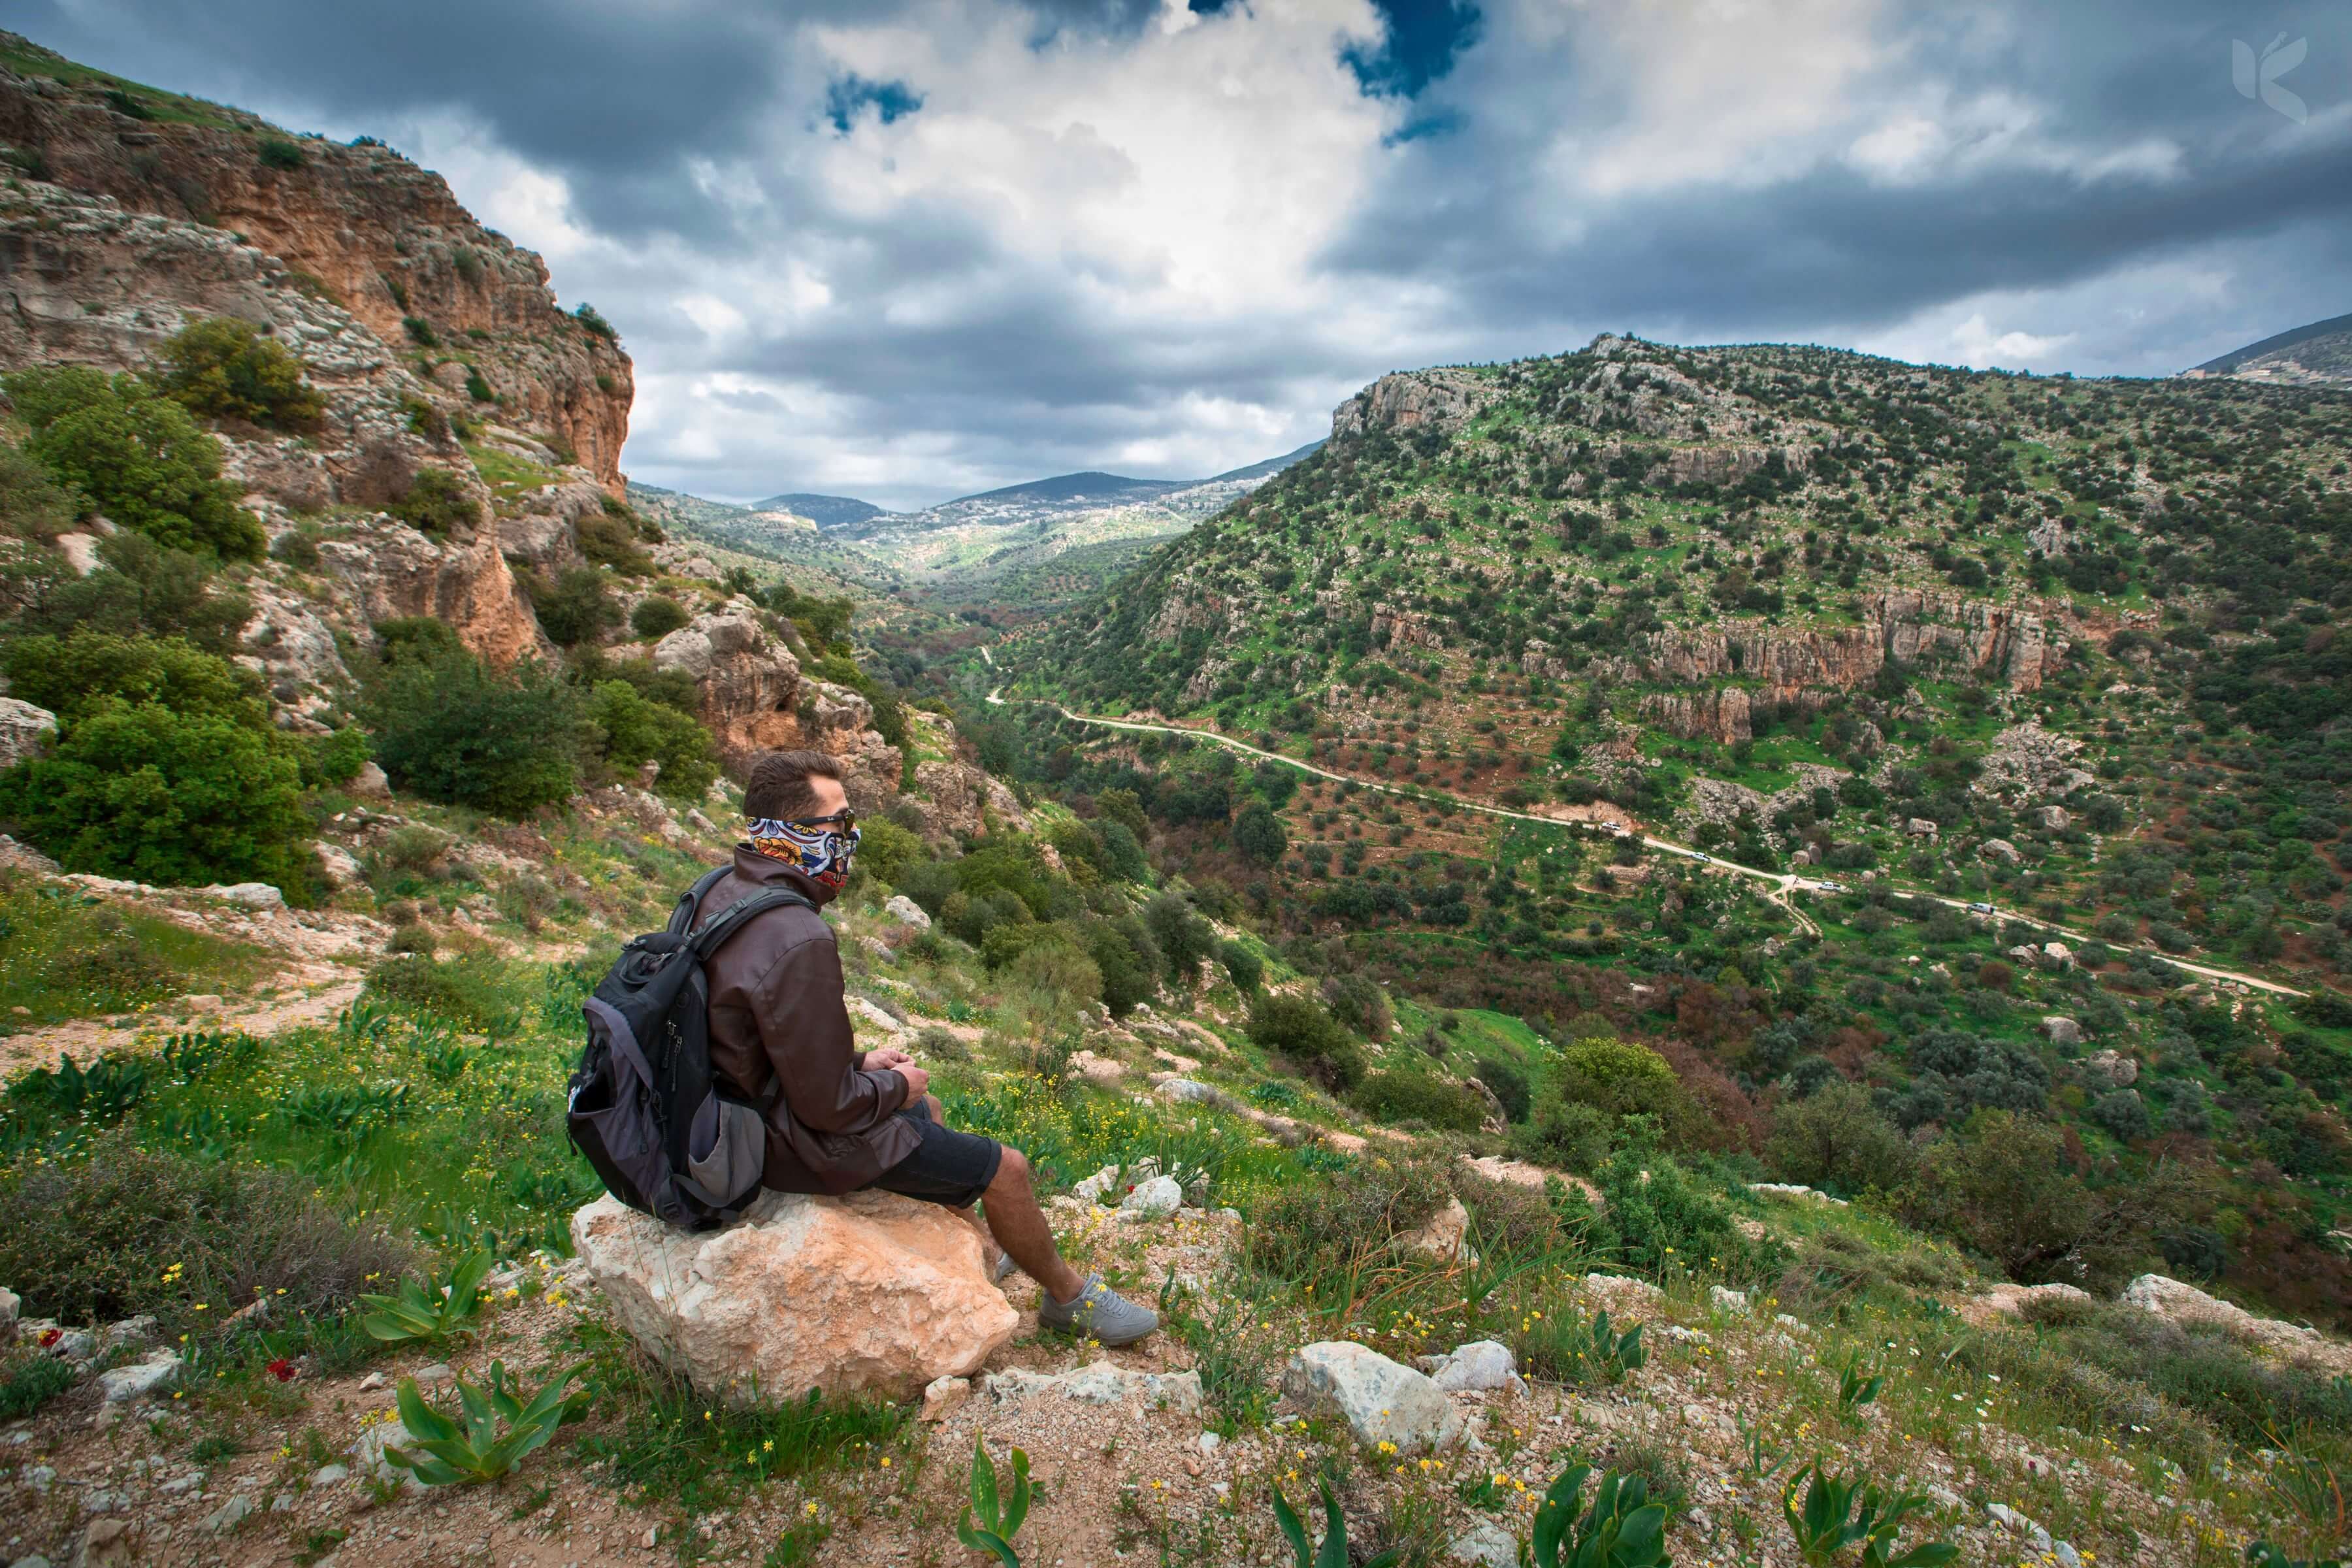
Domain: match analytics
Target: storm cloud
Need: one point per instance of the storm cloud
(905, 249)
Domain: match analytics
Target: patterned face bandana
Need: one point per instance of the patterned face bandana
(818, 849)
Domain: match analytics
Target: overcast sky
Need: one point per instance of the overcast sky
(907, 249)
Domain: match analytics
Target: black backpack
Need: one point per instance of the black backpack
(643, 1108)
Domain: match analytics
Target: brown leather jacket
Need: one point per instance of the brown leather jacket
(777, 1017)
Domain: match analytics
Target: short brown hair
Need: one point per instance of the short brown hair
(779, 790)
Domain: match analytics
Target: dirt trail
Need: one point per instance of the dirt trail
(288, 1000)
(1785, 884)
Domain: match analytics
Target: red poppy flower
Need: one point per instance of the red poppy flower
(282, 1370)
(51, 1336)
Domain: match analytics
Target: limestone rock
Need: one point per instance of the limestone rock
(1380, 1401)
(25, 731)
(249, 895)
(907, 912)
(1101, 1382)
(1723, 1299)
(1095, 1188)
(336, 862)
(942, 1397)
(870, 1292)
(2011, 1300)
(1154, 1199)
(2185, 1304)
(1445, 1234)
(750, 683)
(958, 798)
(1919, 828)
(1481, 1365)
(2000, 849)
(1793, 1191)
(370, 784)
(1485, 1546)
(1440, 400)
(141, 1378)
(11, 1304)
(2118, 1070)
(2062, 1031)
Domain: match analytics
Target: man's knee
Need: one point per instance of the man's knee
(1011, 1170)
(939, 1112)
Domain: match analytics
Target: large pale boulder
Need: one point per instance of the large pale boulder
(750, 681)
(25, 731)
(871, 1292)
(2188, 1306)
(1380, 1401)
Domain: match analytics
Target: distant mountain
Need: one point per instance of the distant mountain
(1021, 527)
(2317, 354)
(825, 511)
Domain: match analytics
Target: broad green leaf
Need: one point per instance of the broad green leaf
(1286, 1519)
(984, 1486)
(1016, 1507)
(1335, 1532)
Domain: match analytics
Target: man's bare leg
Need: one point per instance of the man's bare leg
(1012, 1206)
(1019, 1226)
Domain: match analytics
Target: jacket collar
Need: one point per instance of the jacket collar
(767, 871)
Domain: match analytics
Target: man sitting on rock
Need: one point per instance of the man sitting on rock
(846, 1121)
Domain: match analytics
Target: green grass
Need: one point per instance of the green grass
(507, 476)
(164, 107)
(66, 955)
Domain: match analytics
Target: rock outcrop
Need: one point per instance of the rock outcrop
(91, 283)
(1440, 400)
(25, 731)
(750, 681)
(360, 226)
(871, 1292)
(2188, 1307)
(2002, 642)
(1381, 1401)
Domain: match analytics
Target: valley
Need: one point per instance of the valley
(1757, 920)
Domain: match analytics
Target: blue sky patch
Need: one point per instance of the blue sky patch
(845, 99)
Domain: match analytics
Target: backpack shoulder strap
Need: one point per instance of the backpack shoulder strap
(735, 916)
(681, 919)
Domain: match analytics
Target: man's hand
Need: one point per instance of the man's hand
(885, 1057)
(919, 1083)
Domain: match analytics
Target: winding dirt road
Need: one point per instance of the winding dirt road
(1784, 885)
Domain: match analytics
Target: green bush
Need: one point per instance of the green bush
(1595, 1081)
(1128, 961)
(1183, 937)
(609, 540)
(1836, 1140)
(453, 731)
(1358, 1001)
(1507, 1084)
(139, 459)
(1301, 1031)
(140, 588)
(885, 850)
(223, 368)
(1412, 1096)
(635, 731)
(1660, 1219)
(69, 676)
(436, 502)
(136, 790)
(32, 1380)
(276, 153)
(90, 1240)
(577, 608)
(1243, 965)
(1314, 1230)
(474, 989)
(657, 617)
(32, 504)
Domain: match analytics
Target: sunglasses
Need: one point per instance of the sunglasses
(845, 820)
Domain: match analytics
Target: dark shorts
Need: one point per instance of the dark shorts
(948, 1167)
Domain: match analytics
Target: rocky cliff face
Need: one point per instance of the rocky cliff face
(1439, 400)
(2003, 642)
(88, 282)
(360, 227)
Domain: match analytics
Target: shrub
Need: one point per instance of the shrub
(609, 540)
(420, 331)
(139, 458)
(1258, 835)
(885, 850)
(276, 153)
(1357, 1001)
(69, 676)
(1183, 937)
(453, 731)
(1837, 1140)
(1304, 1033)
(1660, 1219)
(1120, 850)
(31, 505)
(590, 318)
(1128, 961)
(87, 1241)
(2003, 1186)
(136, 790)
(477, 388)
(223, 368)
(1413, 1097)
(1243, 965)
(1615, 1077)
(1507, 1084)
(436, 502)
(472, 989)
(578, 608)
(1313, 1229)
(657, 617)
(635, 731)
